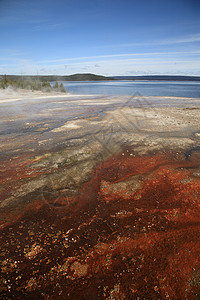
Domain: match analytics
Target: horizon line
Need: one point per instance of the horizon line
(108, 76)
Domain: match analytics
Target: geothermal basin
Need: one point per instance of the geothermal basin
(100, 197)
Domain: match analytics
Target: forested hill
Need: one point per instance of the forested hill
(74, 77)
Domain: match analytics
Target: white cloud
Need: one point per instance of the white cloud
(180, 40)
(131, 66)
(168, 41)
(119, 55)
(179, 62)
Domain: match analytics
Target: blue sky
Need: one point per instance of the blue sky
(108, 37)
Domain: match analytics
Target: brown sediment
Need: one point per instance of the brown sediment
(132, 232)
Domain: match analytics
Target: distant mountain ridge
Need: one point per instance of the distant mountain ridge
(94, 77)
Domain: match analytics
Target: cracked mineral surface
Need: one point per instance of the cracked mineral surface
(100, 197)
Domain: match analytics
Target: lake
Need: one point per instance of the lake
(143, 88)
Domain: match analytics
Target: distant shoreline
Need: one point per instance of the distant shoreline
(94, 77)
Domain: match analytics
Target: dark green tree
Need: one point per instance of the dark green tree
(62, 89)
(56, 86)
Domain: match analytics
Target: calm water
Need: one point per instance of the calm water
(144, 88)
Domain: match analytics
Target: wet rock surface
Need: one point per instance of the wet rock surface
(104, 206)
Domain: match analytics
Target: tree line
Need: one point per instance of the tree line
(31, 84)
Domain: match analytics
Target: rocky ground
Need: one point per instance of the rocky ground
(100, 197)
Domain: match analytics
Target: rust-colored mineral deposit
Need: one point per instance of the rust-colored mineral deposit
(111, 242)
